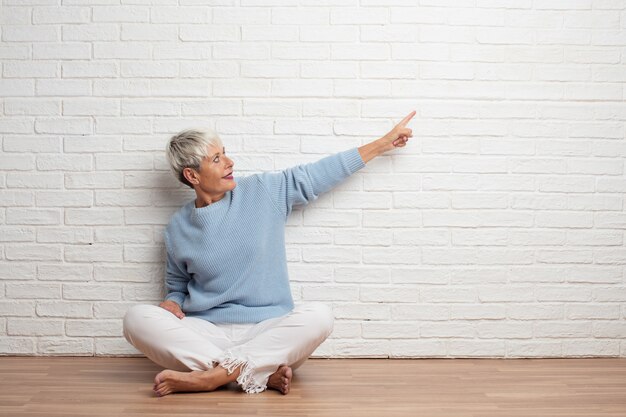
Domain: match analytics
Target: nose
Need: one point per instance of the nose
(230, 162)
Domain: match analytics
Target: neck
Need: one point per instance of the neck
(203, 200)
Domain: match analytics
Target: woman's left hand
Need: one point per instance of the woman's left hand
(399, 135)
(396, 138)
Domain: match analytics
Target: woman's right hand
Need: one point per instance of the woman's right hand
(173, 308)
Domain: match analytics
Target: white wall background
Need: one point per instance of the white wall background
(497, 232)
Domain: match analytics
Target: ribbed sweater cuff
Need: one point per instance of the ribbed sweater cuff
(353, 160)
(177, 297)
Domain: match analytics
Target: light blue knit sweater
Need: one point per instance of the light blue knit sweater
(226, 262)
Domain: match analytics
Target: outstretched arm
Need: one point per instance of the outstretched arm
(396, 138)
(303, 183)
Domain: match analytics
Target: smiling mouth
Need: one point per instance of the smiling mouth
(228, 175)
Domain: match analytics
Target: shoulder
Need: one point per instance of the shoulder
(179, 216)
(250, 183)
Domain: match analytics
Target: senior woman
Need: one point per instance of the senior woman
(228, 315)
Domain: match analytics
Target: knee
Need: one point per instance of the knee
(322, 317)
(135, 317)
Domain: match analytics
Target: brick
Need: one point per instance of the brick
(562, 219)
(76, 347)
(33, 107)
(555, 293)
(389, 330)
(17, 346)
(474, 275)
(64, 198)
(35, 180)
(123, 235)
(129, 273)
(149, 293)
(331, 254)
(33, 252)
(122, 88)
(93, 253)
(157, 216)
(530, 349)
(415, 275)
(11, 270)
(91, 32)
(391, 218)
(34, 327)
(33, 291)
(137, 253)
(357, 89)
(593, 311)
(92, 144)
(10, 308)
(511, 293)
(91, 70)
(91, 292)
(299, 88)
(46, 162)
(90, 180)
(150, 107)
(607, 256)
(469, 312)
(30, 33)
(134, 198)
(562, 330)
(64, 309)
(331, 218)
(359, 274)
(591, 348)
(104, 328)
(389, 294)
(476, 348)
(310, 273)
(451, 329)
(115, 346)
(376, 237)
(64, 272)
(64, 234)
(93, 216)
(111, 310)
(417, 348)
(51, 15)
(61, 50)
(329, 293)
(17, 234)
(120, 14)
(508, 330)
(421, 312)
(425, 200)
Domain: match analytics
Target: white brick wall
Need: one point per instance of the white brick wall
(499, 231)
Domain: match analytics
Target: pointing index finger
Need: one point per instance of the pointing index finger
(407, 119)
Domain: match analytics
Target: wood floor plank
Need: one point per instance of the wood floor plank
(87, 386)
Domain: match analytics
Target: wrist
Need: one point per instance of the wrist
(371, 150)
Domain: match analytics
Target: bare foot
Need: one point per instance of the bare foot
(168, 381)
(281, 379)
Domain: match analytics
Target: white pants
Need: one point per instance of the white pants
(194, 344)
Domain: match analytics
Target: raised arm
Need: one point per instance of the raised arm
(396, 138)
(303, 183)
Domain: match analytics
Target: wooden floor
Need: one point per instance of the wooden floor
(81, 386)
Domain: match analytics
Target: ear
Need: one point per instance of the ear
(191, 176)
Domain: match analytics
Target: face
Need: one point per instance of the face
(215, 175)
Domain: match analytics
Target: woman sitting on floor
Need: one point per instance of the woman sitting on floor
(229, 315)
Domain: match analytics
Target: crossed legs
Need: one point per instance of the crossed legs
(257, 356)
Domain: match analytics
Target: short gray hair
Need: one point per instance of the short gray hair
(187, 148)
